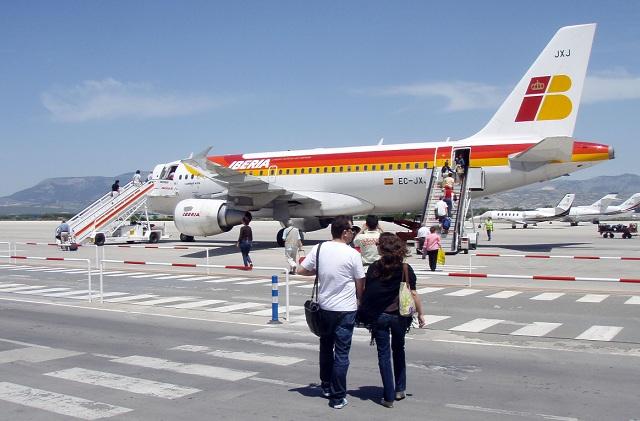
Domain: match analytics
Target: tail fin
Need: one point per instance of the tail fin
(545, 102)
(631, 203)
(603, 203)
(564, 205)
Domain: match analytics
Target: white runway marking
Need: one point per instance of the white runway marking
(113, 272)
(149, 275)
(476, 325)
(592, 298)
(433, 318)
(547, 296)
(60, 404)
(281, 309)
(40, 291)
(510, 413)
(600, 333)
(504, 294)
(281, 283)
(199, 278)
(277, 344)
(96, 295)
(23, 288)
(34, 354)
(173, 277)
(254, 281)
(126, 383)
(9, 285)
(72, 271)
(163, 301)
(223, 280)
(258, 357)
(427, 290)
(210, 371)
(536, 329)
(308, 286)
(37, 268)
(125, 274)
(232, 307)
(633, 300)
(197, 304)
(131, 298)
(463, 292)
(67, 294)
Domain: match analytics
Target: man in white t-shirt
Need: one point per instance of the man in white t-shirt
(422, 234)
(367, 241)
(340, 285)
(292, 245)
(442, 209)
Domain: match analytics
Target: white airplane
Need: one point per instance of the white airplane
(589, 212)
(525, 218)
(529, 139)
(627, 209)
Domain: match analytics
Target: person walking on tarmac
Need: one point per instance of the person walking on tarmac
(63, 231)
(488, 225)
(245, 239)
(422, 234)
(367, 241)
(292, 245)
(431, 247)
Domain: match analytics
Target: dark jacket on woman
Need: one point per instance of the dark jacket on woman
(381, 294)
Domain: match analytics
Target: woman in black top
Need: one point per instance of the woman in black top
(380, 309)
(244, 241)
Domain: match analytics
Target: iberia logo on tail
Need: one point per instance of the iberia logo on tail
(544, 101)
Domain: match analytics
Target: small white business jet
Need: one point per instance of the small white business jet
(525, 218)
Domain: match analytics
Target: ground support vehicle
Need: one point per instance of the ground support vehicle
(627, 231)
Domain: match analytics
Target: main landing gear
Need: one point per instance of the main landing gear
(187, 238)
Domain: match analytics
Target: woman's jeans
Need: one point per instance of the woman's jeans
(395, 325)
(245, 248)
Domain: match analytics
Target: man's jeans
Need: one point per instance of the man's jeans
(334, 352)
(397, 326)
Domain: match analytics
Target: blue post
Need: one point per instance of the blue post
(274, 300)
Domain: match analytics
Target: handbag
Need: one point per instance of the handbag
(406, 304)
(441, 256)
(311, 307)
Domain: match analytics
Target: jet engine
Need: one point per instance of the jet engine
(204, 217)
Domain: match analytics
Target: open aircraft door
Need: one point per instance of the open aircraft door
(273, 174)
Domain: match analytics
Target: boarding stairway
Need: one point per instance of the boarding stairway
(108, 213)
(449, 241)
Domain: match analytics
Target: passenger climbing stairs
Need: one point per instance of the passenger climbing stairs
(108, 213)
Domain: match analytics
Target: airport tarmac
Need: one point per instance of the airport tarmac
(497, 348)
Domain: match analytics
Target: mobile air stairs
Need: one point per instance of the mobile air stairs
(457, 238)
(108, 218)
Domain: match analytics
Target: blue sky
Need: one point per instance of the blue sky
(106, 87)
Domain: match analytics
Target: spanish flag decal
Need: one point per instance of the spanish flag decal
(388, 181)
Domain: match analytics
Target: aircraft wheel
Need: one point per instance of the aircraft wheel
(279, 238)
(154, 237)
(99, 240)
(513, 226)
(187, 238)
(525, 226)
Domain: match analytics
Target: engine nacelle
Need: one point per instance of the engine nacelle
(203, 217)
(310, 224)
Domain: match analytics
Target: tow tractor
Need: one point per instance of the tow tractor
(627, 231)
(132, 232)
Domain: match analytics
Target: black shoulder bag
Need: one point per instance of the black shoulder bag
(311, 307)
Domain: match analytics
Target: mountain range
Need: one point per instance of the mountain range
(72, 194)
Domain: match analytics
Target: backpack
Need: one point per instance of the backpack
(446, 223)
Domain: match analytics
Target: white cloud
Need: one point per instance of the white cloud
(611, 85)
(459, 95)
(112, 99)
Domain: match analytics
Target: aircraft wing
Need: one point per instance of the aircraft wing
(242, 189)
(548, 149)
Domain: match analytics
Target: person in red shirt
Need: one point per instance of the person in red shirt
(448, 198)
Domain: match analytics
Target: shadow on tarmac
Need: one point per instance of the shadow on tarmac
(533, 247)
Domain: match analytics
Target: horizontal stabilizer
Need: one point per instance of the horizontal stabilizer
(548, 149)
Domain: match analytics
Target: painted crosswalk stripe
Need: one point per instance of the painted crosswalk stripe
(308, 286)
(131, 298)
(428, 290)
(197, 304)
(58, 403)
(476, 325)
(504, 294)
(277, 344)
(463, 292)
(254, 281)
(282, 309)
(547, 296)
(223, 280)
(125, 274)
(199, 278)
(96, 294)
(112, 272)
(9, 285)
(163, 301)
(536, 329)
(149, 275)
(592, 298)
(22, 288)
(126, 383)
(633, 300)
(257, 357)
(434, 318)
(203, 370)
(232, 307)
(281, 282)
(173, 277)
(600, 333)
(41, 291)
(67, 294)
(23, 267)
(71, 270)
(37, 268)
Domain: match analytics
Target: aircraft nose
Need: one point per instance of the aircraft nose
(612, 153)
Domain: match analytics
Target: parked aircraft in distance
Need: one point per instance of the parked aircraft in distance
(529, 139)
(525, 218)
(589, 212)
